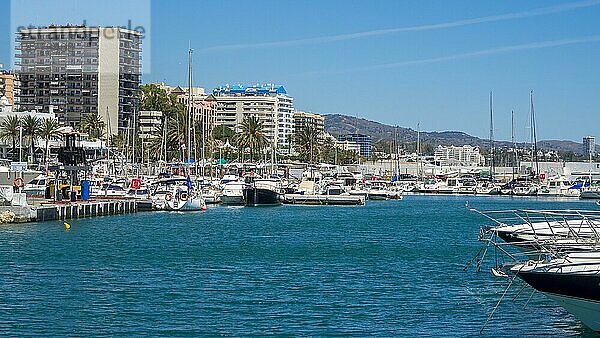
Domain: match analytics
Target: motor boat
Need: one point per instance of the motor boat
(262, 192)
(573, 281)
(593, 193)
(333, 189)
(141, 193)
(359, 190)
(37, 186)
(560, 255)
(233, 193)
(110, 190)
(560, 187)
(430, 185)
(378, 190)
(211, 196)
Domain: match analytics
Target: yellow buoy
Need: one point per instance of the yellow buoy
(67, 226)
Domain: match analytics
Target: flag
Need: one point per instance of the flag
(188, 182)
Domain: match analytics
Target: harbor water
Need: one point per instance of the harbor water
(388, 268)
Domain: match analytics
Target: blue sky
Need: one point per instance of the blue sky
(398, 62)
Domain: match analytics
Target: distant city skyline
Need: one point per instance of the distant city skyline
(396, 62)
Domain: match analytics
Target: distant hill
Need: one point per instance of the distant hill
(337, 124)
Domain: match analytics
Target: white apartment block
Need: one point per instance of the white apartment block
(271, 104)
(465, 156)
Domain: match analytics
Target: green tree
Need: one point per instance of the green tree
(252, 135)
(173, 124)
(9, 129)
(223, 133)
(48, 131)
(92, 125)
(307, 143)
(31, 129)
(347, 156)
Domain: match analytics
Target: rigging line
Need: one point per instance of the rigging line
(497, 304)
(528, 299)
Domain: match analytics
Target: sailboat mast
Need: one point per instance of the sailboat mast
(189, 110)
(108, 139)
(419, 151)
(512, 132)
(396, 150)
(491, 137)
(534, 136)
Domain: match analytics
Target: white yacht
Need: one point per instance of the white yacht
(573, 281)
(37, 186)
(233, 193)
(559, 186)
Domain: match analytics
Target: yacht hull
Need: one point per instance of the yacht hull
(590, 195)
(587, 311)
(577, 293)
(259, 197)
(378, 196)
(232, 200)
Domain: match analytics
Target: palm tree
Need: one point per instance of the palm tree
(92, 125)
(252, 135)
(31, 128)
(9, 129)
(307, 142)
(48, 131)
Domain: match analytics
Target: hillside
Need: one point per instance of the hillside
(337, 124)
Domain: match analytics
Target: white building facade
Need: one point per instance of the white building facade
(271, 104)
(452, 155)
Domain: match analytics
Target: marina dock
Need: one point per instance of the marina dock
(323, 199)
(63, 211)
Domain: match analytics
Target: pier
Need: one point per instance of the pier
(63, 211)
(323, 199)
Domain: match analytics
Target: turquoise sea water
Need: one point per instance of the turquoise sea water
(390, 268)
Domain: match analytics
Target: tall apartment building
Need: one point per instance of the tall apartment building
(7, 86)
(589, 145)
(271, 104)
(80, 70)
(364, 141)
(305, 119)
(452, 155)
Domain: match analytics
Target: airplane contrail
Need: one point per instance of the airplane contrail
(483, 52)
(378, 32)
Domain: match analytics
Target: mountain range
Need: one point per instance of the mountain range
(338, 124)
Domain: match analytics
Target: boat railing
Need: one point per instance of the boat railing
(528, 216)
